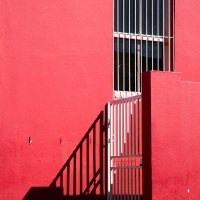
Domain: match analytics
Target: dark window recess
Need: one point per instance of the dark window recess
(126, 61)
(145, 42)
(152, 14)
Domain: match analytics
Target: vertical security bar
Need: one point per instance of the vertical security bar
(74, 176)
(113, 43)
(139, 48)
(123, 47)
(118, 45)
(169, 35)
(141, 39)
(129, 47)
(135, 49)
(146, 37)
(173, 10)
(152, 35)
(173, 7)
(158, 34)
(164, 62)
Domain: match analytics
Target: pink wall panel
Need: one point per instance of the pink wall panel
(56, 76)
(187, 29)
(171, 141)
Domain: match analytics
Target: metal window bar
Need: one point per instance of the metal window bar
(129, 48)
(152, 28)
(124, 135)
(143, 40)
(135, 48)
(164, 65)
(146, 38)
(169, 20)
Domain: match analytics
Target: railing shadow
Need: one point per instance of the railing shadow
(84, 174)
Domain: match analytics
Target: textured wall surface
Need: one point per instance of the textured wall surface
(187, 29)
(56, 76)
(171, 141)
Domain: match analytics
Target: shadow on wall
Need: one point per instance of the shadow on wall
(83, 176)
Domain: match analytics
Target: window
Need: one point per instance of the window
(143, 41)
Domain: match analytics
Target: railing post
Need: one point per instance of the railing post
(108, 152)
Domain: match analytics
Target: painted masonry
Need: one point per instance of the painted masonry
(56, 65)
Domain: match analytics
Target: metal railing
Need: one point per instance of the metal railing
(108, 159)
(124, 124)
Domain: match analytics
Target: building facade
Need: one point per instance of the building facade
(60, 64)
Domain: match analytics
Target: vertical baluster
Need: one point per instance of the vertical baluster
(130, 152)
(138, 114)
(120, 151)
(135, 127)
(111, 141)
(109, 154)
(125, 153)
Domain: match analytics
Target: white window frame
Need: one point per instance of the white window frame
(166, 39)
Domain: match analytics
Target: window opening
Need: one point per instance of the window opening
(143, 41)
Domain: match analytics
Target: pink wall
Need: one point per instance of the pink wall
(171, 138)
(56, 76)
(187, 29)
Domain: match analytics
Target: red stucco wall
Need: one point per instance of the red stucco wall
(56, 76)
(187, 29)
(171, 141)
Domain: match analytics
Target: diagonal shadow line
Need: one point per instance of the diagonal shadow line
(95, 187)
(99, 118)
(76, 149)
(91, 182)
